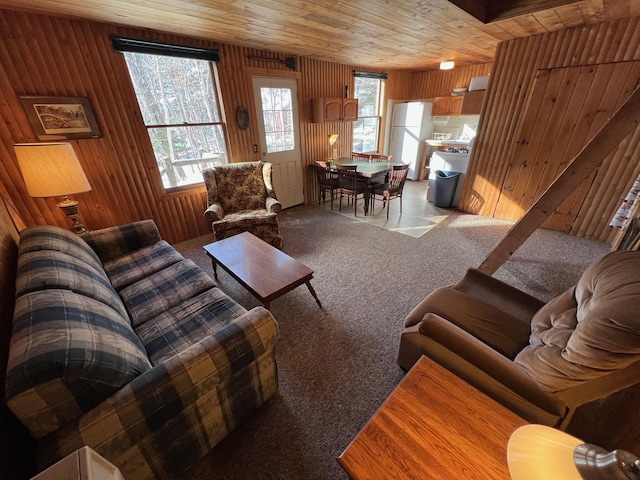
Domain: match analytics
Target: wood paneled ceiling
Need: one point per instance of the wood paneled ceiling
(380, 34)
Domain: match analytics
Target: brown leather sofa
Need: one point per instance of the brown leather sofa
(572, 363)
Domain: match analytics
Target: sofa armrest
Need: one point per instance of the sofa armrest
(513, 384)
(273, 205)
(113, 242)
(214, 212)
(182, 407)
(500, 295)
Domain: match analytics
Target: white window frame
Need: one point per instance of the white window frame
(193, 165)
(363, 115)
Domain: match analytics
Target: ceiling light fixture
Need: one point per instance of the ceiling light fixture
(446, 64)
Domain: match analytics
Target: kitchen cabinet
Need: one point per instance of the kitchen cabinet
(334, 109)
(472, 102)
(447, 105)
(468, 104)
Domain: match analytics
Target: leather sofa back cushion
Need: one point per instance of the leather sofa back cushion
(589, 330)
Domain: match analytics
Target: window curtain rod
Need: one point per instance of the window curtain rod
(290, 62)
(377, 76)
(121, 44)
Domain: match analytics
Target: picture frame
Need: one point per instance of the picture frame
(61, 118)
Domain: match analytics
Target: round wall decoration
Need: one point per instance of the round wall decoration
(242, 117)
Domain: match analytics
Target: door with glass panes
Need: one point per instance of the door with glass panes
(276, 101)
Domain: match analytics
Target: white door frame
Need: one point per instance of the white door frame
(288, 172)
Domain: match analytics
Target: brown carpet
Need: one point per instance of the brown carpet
(337, 365)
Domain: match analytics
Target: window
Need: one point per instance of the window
(277, 111)
(176, 90)
(369, 90)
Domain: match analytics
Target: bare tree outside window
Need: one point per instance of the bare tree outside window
(179, 105)
(366, 129)
(277, 111)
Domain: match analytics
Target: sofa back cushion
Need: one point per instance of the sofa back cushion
(68, 353)
(47, 237)
(239, 186)
(72, 343)
(590, 330)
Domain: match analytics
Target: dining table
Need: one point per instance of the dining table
(367, 171)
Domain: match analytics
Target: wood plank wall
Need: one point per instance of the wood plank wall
(514, 71)
(42, 55)
(440, 83)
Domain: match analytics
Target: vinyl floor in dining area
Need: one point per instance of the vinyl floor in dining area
(417, 218)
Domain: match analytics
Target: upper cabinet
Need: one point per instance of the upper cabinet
(468, 104)
(472, 102)
(447, 105)
(334, 109)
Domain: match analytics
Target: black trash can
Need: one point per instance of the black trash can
(445, 188)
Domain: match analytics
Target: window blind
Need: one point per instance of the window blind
(121, 44)
(378, 76)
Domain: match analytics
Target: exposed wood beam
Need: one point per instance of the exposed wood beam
(624, 121)
(493, 10)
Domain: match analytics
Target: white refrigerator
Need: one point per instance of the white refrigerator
(411, 125)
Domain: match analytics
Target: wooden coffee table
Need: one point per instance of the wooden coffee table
(259, 267)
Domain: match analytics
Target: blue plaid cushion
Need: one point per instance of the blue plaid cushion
(113, 242)
(51, 269)
(164, 290)
(146, 261)
(187, 324)
(47, 237)
(68, 352)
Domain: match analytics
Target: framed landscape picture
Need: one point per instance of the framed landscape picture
(61, 118)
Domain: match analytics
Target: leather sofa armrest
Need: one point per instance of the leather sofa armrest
(506, 373)
(214, 212)
(114, 242)
(500, 295)
(165, 408)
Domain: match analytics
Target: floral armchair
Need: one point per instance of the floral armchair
(241, 198)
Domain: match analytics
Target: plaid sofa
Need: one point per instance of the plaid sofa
(241, 198)
(121, 344)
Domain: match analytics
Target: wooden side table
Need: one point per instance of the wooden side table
(433, 426)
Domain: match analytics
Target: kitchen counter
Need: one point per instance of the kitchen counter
(447, 143)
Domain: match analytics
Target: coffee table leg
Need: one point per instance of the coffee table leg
(215, 269)
(313, 292)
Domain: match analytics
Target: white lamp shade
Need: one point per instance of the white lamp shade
(51, 169)
(333, 138)
(537, 452)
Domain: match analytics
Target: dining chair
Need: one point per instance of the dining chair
(350, 187)
(378, 157)
(359, 157)
(327, 181)
(391, 189)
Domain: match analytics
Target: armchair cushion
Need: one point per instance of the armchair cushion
(501, 331)
(241, 187)
(589, 331)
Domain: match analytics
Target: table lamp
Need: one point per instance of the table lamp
(53, 170)
(334, 150)
(540, 452)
